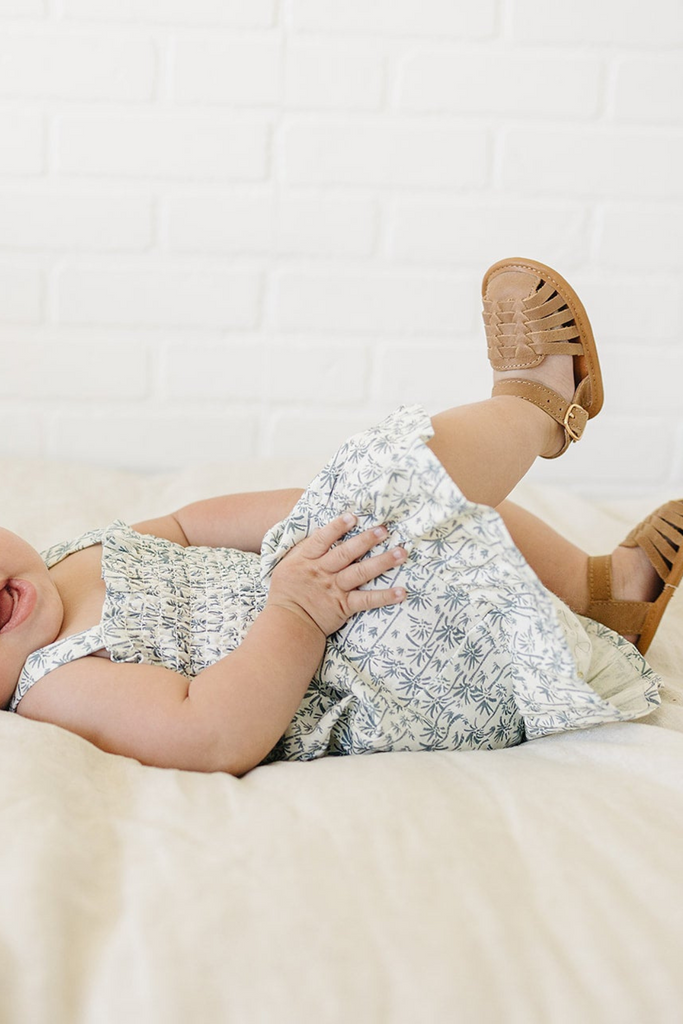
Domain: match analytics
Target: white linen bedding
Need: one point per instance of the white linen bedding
(539, 883)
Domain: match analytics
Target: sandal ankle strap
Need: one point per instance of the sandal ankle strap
(625, 617)
(571, 416)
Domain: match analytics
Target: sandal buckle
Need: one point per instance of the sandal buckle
(575, 430)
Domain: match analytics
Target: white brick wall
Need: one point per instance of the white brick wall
(76, 65)
(473, 81)
(21, 8)
(658, 24)
(21, 294)
(161, 145)
(385, 152)
(22, 149)
(224, 13)
(396, 17)
(239, 72)
(156, 294)
(249, 227)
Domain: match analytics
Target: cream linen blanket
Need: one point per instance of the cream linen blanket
(542, 883)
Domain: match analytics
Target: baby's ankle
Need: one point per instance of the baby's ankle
(556, 373)
(634, 578)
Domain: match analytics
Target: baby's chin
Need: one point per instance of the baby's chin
(38, 628)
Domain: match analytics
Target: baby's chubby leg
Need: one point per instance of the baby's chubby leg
(560, 565)
(546, 382)
(563, 567)
(488, 447)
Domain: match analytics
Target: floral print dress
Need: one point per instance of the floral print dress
(480, 655)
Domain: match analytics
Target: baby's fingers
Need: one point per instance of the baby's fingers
(363, 600)
(322, 539)
(353, 548)
(356, 575)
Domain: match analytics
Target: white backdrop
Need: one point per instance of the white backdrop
(236, 228)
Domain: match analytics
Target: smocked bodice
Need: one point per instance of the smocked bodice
(181, 608)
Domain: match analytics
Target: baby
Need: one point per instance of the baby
(400, 602)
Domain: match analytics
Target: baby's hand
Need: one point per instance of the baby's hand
(320, 582)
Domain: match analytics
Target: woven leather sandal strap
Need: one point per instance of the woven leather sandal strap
(521, 331)
(545, 297)
(660, 536)
(571, 417)
(625, 617)
(556, 342)
(516, 354)
(659, 551)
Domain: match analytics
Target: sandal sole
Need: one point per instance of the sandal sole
(654, 616)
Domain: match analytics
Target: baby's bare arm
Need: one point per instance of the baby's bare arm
(225, 719)
(231, 521)
(230, 715)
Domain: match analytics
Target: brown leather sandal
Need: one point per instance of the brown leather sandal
(660, 536)
(530, 312)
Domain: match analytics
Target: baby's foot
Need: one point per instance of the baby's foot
(556, 373)
(634, 578)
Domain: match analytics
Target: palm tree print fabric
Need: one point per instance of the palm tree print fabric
(479, 655)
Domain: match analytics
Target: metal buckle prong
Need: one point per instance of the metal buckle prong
(572, 433)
